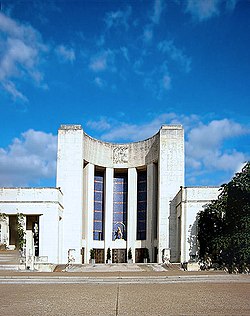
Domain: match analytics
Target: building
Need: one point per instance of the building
(117, 196)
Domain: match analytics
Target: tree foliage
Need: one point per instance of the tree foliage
(224, 225)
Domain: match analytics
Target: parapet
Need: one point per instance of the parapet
(70, 127)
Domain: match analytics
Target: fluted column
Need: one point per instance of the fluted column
(151, 207)
(88, 198)
(108, 189)
(132, 208)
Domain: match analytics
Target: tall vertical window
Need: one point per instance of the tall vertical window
(120, 206)
(141, 205)
(98, 225)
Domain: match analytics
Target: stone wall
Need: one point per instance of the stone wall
(183, 220)
(44, 202)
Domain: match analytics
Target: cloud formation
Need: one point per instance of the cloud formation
(31, 157)
(103, 61)
(65, 54)
(22, 50)
(158, 8)
(207, 145)
(204, 145)
(206, 9)
(118, 18)
(28, 159)
(175, 54)
(99, 82)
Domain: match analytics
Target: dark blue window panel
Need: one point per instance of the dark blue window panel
(141, 235)
(141, 224)
(98, 186)
(141, 216)
(98, 216)
(97, 235)
(117, 207)
(142, 205)
(119, 197)
(98, 196)
(120, 189)
(143, 186)
(98, 224)
(98, 178)
(98, 206)
(142, 196)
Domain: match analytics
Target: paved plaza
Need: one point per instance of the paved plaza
(124, 293)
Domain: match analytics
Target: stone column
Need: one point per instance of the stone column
(88, 207)
(151, 207)
(70, 180)
(48, 235)
(170, 178)
(132, 209)
(183, 226)
(108, 200)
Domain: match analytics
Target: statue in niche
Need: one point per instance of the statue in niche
(118, 233)
(120, 155)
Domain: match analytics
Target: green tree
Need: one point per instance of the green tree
(224, 225)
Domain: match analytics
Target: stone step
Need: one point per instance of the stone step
(9, 267)
(9, 257)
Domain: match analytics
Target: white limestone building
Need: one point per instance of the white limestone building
(117, 196)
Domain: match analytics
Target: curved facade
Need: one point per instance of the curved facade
(117, 196)
(108, 196)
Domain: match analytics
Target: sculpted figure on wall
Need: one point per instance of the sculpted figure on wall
(120, 154)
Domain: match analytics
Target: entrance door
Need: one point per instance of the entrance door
(119, 255)
(99, 255)
(13, 237)
(139, 255)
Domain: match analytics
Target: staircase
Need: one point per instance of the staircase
(9, 259)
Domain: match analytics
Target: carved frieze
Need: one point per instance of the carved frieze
(120, 154)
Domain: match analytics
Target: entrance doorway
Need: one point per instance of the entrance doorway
(13, 237)
(99, 255)
(32, 223)
(119, 255)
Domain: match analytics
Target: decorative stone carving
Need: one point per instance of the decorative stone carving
(120, 154)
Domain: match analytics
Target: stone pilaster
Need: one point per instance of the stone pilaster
(88, 208)
(132, 208)
(108, 189)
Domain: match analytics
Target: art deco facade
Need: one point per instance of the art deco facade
(116, 196)
(127, 186)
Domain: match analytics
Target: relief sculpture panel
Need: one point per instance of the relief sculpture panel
(120, 155)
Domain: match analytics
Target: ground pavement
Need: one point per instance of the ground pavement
(124, 290)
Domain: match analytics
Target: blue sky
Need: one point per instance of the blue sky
(121, 69)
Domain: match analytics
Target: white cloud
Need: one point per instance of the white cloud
(28, 159)
(101, 124)
(166, 82)
(125, 54)
(205, 9)
(65, 54)
(148, 33)
(118, 18)
(158, 7)
(175, 54)
(158, 81)
(103, 61)
(21, 53)
(99, 82)
(208, 147)
(122, 131)
(205, 145)
(12, 90)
